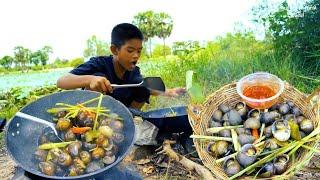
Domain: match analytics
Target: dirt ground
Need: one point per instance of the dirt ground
(7, 165)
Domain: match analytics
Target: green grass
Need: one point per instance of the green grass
(216, 66)
(220, 63)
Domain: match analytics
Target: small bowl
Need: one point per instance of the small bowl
(253, 83)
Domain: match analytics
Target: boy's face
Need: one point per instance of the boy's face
(129, 53)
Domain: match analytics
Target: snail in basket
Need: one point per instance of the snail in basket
(91, 142)
(242, 136)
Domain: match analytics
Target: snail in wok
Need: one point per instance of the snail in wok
(89, 145)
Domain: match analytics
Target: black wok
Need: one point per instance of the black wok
(21, 136)
(171, 120)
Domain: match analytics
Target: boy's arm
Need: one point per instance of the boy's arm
(91, 82)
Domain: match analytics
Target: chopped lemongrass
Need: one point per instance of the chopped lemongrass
(235, 141)
(64, 104)
(97, 113)
(215, 138)
(259, 144)
(259, 140)
(226, 157)
(262, 129)
(54, 145)
(217, 129)
(310, 148)
(90, 101)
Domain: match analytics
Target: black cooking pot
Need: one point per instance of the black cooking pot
(22, 136)
(170, 120)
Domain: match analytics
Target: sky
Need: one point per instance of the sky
(65, 25)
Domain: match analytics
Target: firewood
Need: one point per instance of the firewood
(187, 163)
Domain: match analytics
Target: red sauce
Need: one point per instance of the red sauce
(258, 92)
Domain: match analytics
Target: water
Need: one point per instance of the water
(31, 80)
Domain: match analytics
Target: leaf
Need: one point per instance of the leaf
(189, 75)
(196, 93)
(194, 89)
(54, 145)
(295, 134)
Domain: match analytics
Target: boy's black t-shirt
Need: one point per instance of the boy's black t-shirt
(103, 66)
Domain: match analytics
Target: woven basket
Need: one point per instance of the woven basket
(228, 95)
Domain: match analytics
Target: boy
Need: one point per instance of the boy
(99, 73)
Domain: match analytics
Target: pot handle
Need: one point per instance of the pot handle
(136, 112)
(2, 124)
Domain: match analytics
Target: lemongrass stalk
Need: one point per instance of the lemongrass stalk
(217, 129)
(304, 140)
(226, 157)
(267, 152)
(301, 164)
(293, 158)
(310, 148)
(235, 141)
(215, 138)
(54, 145)
(262, 129)
(90, 101)
(249, 172)
(259, 140)
(300, 143)
(55, 110)
(97, 113)
(65, 104)
(264, 160)
(68, 115)
(259, 144)
(95, 108)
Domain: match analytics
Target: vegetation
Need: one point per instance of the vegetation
(294, 33)
(24, 58)
(96, 47)
(154, 24)
(290, 50)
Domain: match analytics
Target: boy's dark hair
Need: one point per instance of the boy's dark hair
(124, 32)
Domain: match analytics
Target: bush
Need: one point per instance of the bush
(76, 62)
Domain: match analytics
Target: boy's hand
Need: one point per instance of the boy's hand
(101, 84)
(174, 92)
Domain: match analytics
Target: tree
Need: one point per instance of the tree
(147, 24)
(35, 57)
(6, 61)
(164, 24)
(96, 47)
(45, 54)
(21, 55)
